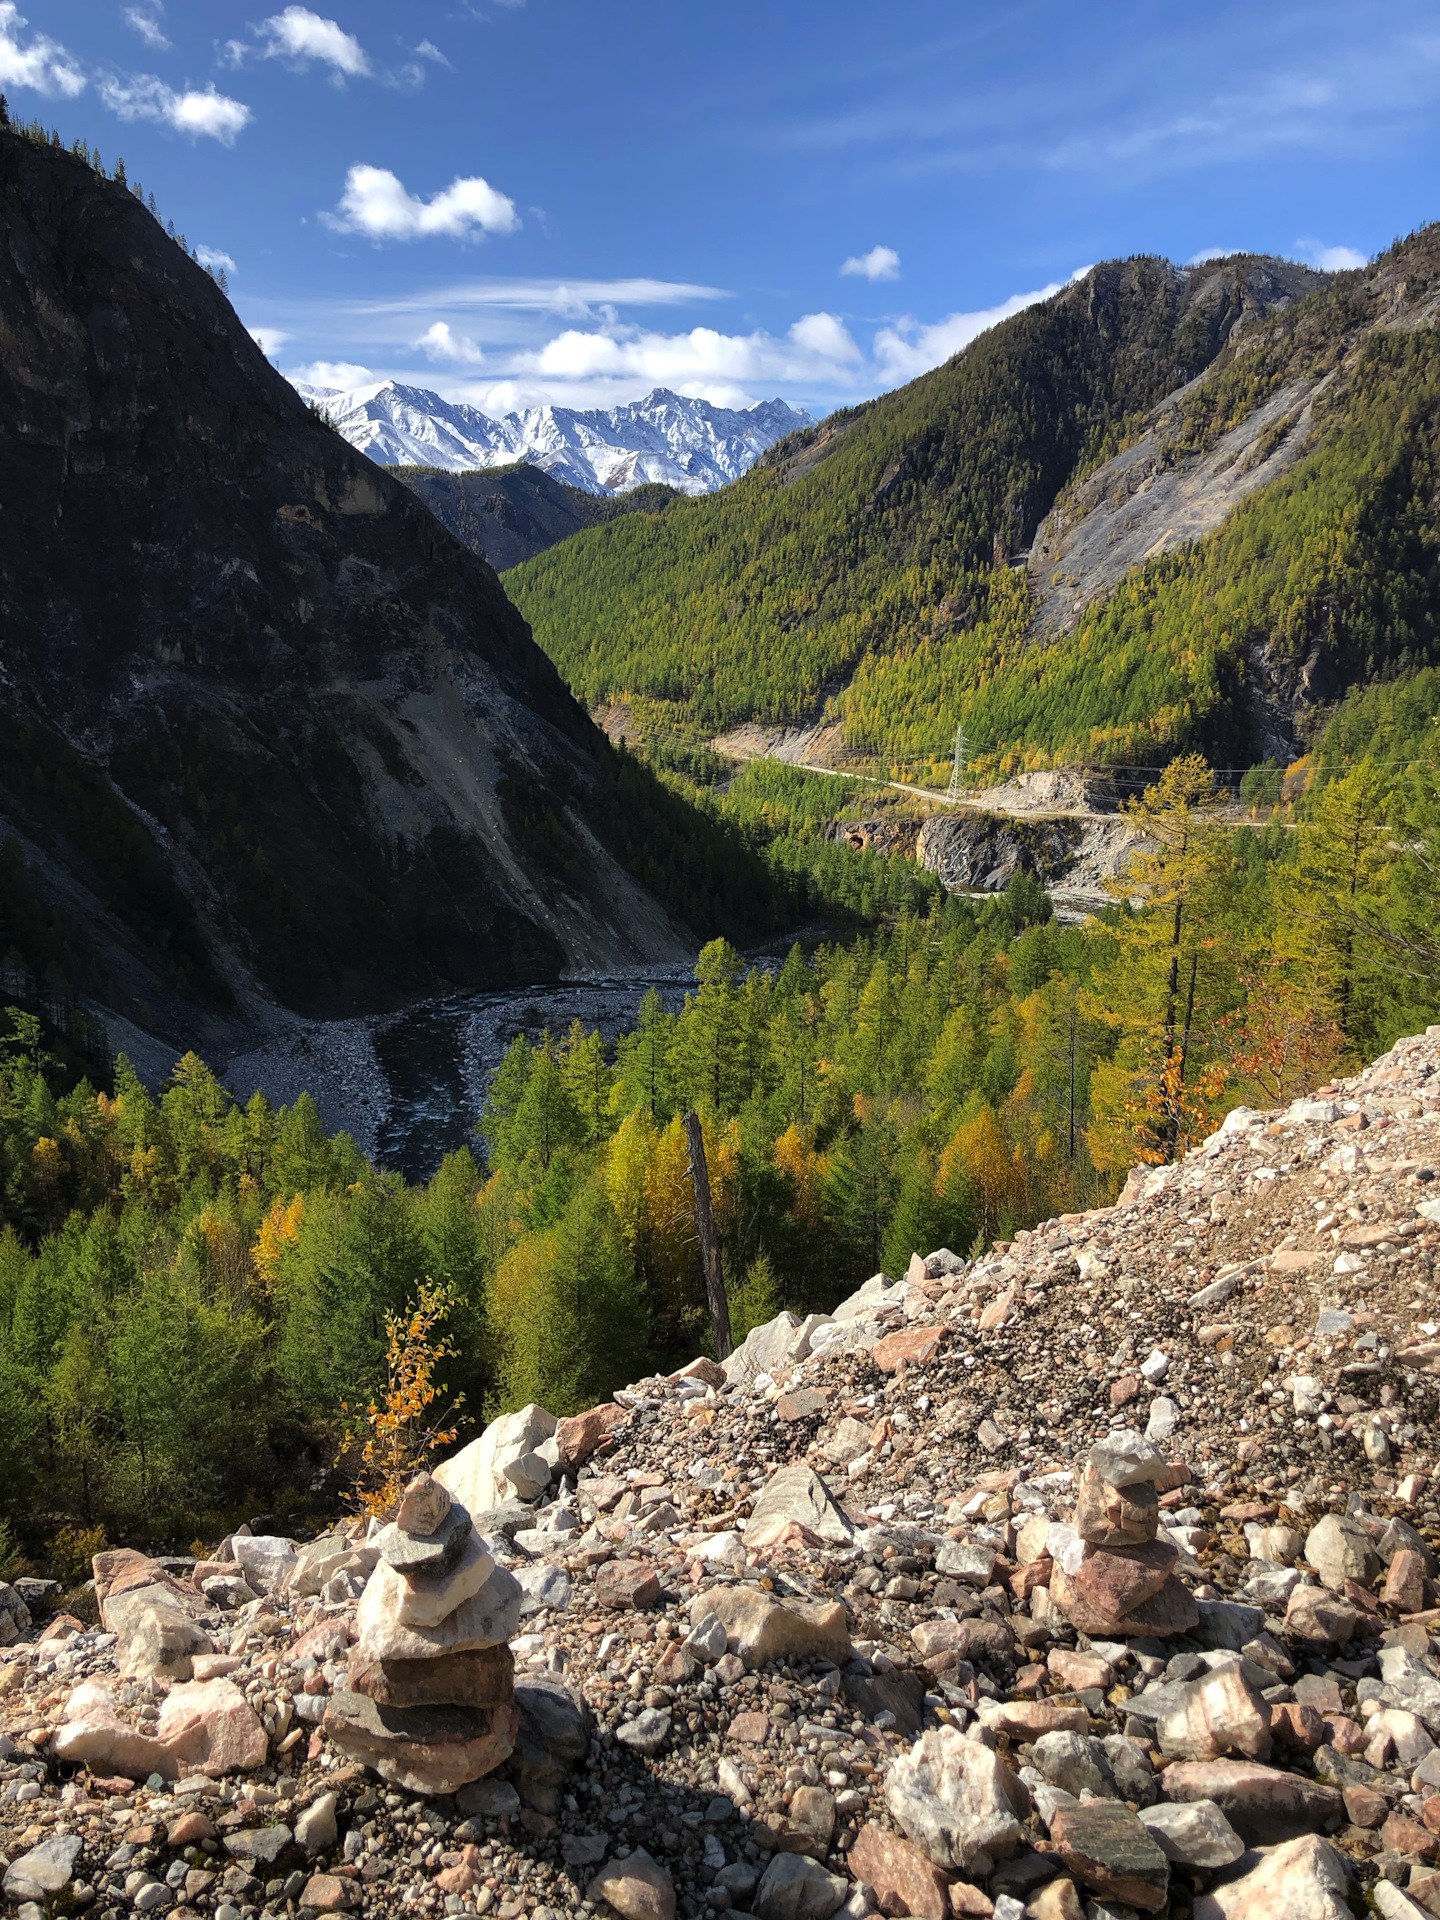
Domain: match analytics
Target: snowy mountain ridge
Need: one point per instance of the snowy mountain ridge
(668, 437)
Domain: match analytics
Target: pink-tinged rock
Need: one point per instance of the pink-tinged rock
(702, 1367)
(94, 1735)
(903, 1879)
(1405, 1582)
(637, 1887)
(1321, 1617)
(627, 1583)
(583, 1434)
(465, 1875)
(1028, 1719)
(1305, 1879)
(1263, 1805)
(1125, 1389)
(1219, 1714)
(1347, 1736)
(1112, 1853)
(211, 1726)
(911, 1347)
(1113, 1581)
(750, 1729)
(329, 1893)
(675, 1666)
(1402, 1835)
(423, 1749)
(1057, 1900)
(1170, 1611)
(1077, 1670)
(958, 1801)
(968, 1902)
(1109, 1516)
(1365, 1808)
(213, 1666)
(941, 1636)
(1298, 1728)
(189, 1830)
(1292, 1260)
(423, 1506)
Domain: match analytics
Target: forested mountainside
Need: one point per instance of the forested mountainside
(509, 514)
(265, 727)
(1283, 420)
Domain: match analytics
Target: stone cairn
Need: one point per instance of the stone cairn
(430, 1703)
(1113, 1576)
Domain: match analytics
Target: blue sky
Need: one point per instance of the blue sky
(555, 200)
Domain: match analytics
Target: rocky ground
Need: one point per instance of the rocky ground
(1096, 1577)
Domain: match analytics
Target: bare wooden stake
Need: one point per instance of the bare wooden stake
(709, 1242)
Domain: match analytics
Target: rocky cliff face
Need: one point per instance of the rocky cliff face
(509, 514)
(265, 727)
(899, 1608)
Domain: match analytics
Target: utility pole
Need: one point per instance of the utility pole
(952, 792)
(709, 1241)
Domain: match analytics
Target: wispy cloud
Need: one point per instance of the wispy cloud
(269, 339)
(214, 257)
(338, 375)
(35, 60)
(880, 263)
(573, 299)
(298, 36)
(145, 20)
(199, 112)
(375, 203)
(908, 348)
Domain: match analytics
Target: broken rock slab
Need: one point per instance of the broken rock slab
(1302, 1879)
(760, 1628)
(211, 1727)
(1111, 1852)
(958, 1802)
(797, 1493)
(903, 1879)
(502, 1463)
(94, 1735)
(1264, 1805)
(485, 1619)
(423, 1749)
(1194, 1833)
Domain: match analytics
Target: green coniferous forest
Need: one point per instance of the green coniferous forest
(193, 1292)
(863, 567)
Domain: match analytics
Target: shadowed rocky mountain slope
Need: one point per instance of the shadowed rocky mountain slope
(1100, 1569)
(266, 729)
(509, 514)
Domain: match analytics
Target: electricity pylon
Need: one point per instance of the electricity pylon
(952, 792)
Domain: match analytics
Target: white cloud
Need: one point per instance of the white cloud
(427, 50)
(581, 299)
(213, 257)
(817, 347)
(146, 22)
(880, 263)
(439, 343)
(298, 34)
(1331, 259)
(336, 374)
(908, 348)
(376, 203)
(145, 97)
(269, 340)
(41, 63)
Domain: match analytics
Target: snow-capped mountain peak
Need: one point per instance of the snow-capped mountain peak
(684, 443)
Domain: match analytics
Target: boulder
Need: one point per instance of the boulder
(501, 1463)
(212, 1728)
(637, 1887)
(1263, 1805)
(316, 1830)
(581, 1436)
(482, 1678)
(1321, 1617)
(797, 1493)
(1302, 1879)
(1075, 1762)
(1218, 1714)
(760, 1628)
(957, 1801)
(764, 1349)
(94, 1735)
(45, 1870)
(258, 1846)
(903, 1879)
(552, 1737)
(1194, 1833)
(422, 1749)
(1170, 1611)
(485, 1619)
(648, 1733)
(14, 1614)
(1114, 1581)
(1110, 1851)
(265, 1559)
(793, 1887)
(627, 1583)
(1339, 1549)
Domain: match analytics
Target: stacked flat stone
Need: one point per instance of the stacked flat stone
(1114, 1577)
(430, 1704)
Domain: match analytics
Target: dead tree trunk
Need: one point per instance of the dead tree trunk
(709, 1243)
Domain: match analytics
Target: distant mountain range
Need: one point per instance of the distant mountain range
(667, 437)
